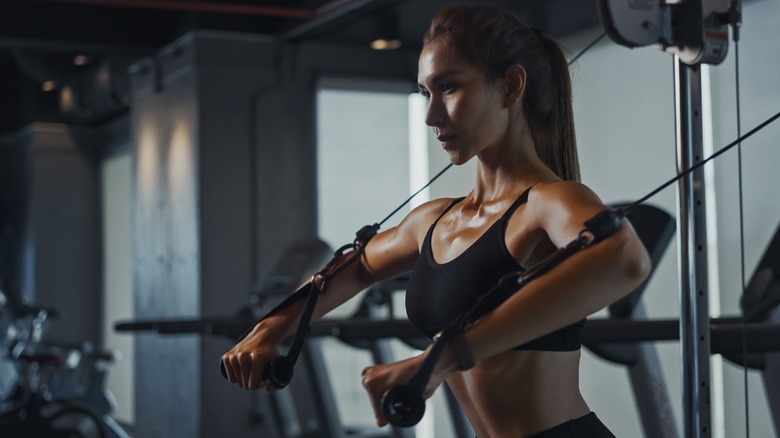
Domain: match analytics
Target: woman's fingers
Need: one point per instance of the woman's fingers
(379, 379)
(375, 388)
(245, 363)
(233, 367)
(226, 363)
(246, 369)
(256, 380)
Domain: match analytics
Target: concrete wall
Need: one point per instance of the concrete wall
(61, 263)
(224, 181)
(192, 217)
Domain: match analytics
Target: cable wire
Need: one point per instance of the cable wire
(415, 194)
(582, 52)
(741, 233)
(721, 151)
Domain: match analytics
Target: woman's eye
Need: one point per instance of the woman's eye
(445, 87)
(425, 94)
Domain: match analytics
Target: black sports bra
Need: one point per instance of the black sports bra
(437, 293)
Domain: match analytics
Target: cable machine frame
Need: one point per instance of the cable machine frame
(695, 32)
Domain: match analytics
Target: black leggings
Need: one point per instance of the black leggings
(588, 426)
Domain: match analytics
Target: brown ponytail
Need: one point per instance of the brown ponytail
(494, 39)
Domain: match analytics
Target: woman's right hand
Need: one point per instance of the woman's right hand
(246, 361)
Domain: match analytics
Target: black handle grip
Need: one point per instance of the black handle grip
(403, 406)
(604, 224)
(279, 372)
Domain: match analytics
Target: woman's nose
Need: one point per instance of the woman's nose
(435, 114)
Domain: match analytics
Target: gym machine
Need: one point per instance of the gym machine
(50, 389)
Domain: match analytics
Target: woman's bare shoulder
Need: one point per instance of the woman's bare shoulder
(399, 245)
(561, 208)
(563, 194)
(434, 207)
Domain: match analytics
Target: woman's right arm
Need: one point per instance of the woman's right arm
(387, 254)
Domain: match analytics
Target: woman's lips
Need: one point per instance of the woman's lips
(445, 140)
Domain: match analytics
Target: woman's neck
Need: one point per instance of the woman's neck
(505, 170)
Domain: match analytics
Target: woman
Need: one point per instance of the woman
(498, 92)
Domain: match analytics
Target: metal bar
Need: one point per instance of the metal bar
(320, 395)
(771, 377)
(382, 353)
(694, 307)
(651, 394)
(726, 333)
(219, 8)
(331, 6)
(650, 391)
(62, 45)
(460, 424)
(326, 15)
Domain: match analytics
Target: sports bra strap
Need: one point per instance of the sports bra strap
(518, 202)
(449, 207)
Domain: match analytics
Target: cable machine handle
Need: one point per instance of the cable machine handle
(279, 371)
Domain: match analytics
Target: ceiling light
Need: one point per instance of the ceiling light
(67, 99)
(81, 60)
(48, 86)
(385, 44)
(386, 32)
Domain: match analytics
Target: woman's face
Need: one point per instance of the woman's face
(466, 111)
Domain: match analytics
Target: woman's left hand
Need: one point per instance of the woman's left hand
(379, 379)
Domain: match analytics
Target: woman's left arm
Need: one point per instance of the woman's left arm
(580, 285)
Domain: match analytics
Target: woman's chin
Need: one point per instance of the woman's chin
(458, 159)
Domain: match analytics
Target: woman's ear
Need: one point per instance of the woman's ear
(514, 79)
